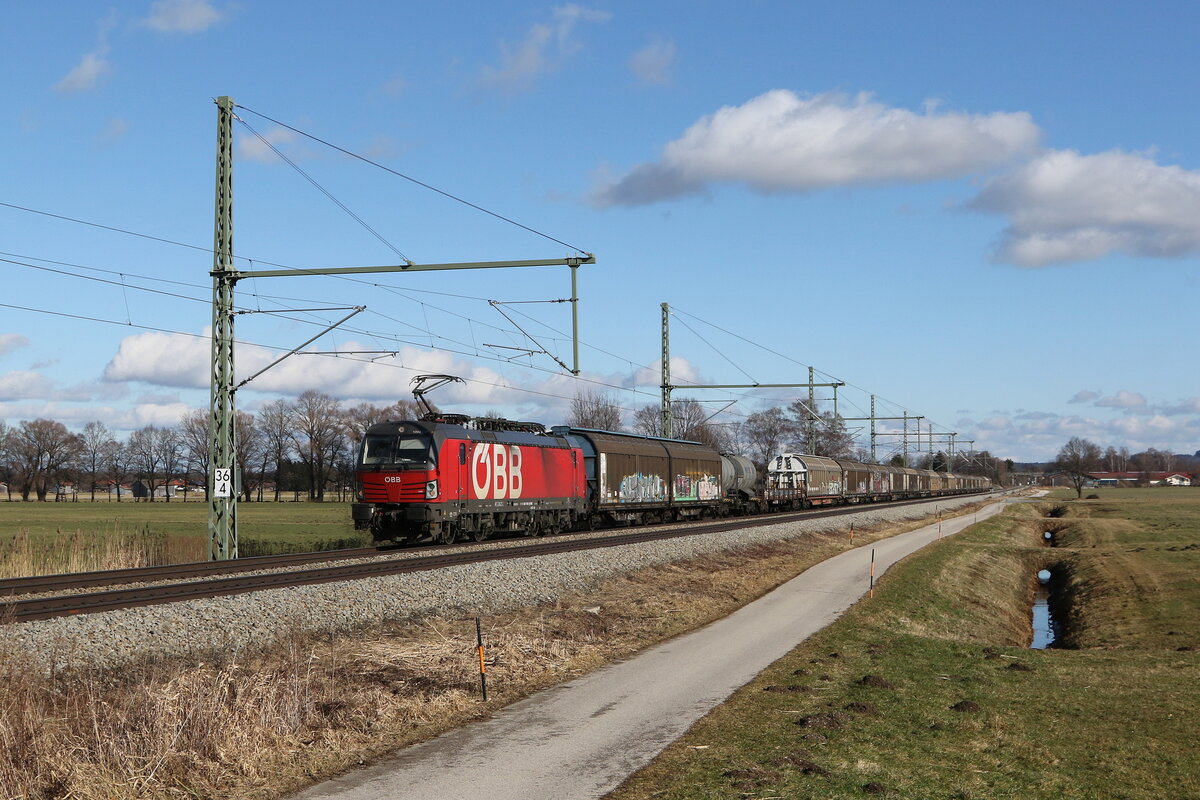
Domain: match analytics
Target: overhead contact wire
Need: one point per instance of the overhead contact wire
(413, 180)
(325, 191)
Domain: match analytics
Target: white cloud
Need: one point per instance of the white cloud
(175, 360)
(94, 66)
(683, 372)
(87, 74)
(1190, 405)
(114, 129)
(784, 142)
(1085, 396)
(1037, 436)
(1123, 400)
(178, 361)
(24, 385)
(182, 16)
(119, 419)
(143, 414)
(395, 86)
(546, 45)
(252, 148)
(33, 385)
(164, 359)
(652, 64)
(12, 341)
(1064, 206)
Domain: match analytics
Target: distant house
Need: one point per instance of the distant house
(1159, 478)
(115, 489)
(141, 490)
(1061, 479)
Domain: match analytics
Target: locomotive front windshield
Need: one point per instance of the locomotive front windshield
(405, 450)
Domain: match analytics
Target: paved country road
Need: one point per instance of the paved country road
(582, 739)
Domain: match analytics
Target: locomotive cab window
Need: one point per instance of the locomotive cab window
(405, 450)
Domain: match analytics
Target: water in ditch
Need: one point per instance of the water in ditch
(1043, 623)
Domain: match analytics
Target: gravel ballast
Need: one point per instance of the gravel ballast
(244, 622)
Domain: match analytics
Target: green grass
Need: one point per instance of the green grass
(262, 527)
(1113, 719)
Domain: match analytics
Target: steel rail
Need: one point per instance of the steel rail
(94, 602)
(82, 580)
(42, 584)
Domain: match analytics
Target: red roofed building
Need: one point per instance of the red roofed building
(1134, 478)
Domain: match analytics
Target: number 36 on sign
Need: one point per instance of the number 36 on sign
(222, 482)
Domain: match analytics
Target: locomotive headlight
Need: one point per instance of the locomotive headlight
(431, 490)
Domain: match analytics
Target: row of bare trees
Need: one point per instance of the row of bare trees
(761, 435)
(765, 434)
(1079, 458)
(306, 445)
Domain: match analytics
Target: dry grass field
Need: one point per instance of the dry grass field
(47, 538)
(314, 706)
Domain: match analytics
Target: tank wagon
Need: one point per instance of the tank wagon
(447, 477)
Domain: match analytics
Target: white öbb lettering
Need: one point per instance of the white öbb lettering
(392, 479)
(496, 471)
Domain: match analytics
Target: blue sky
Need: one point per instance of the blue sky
(986, 215)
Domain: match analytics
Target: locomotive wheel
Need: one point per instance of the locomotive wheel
(448, 534)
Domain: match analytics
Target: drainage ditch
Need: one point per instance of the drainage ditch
(1045, 627)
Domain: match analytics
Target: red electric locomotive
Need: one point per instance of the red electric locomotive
(447, 477)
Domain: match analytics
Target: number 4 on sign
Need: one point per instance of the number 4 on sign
(222, 482)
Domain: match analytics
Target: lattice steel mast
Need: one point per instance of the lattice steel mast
(223, 474)
(222, 446)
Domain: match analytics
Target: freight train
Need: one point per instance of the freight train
(447, 477)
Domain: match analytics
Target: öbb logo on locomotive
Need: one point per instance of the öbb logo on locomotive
(496, 472)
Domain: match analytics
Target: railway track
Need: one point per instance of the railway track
(196, 581)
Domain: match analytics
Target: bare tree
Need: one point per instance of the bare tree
(6, 464)
(766, 432)
(360, 417)
(275, 426)
(95, 442)
(153, 454)
(117, 465)
(170, 453)
(1077, 458)
(689, 420)
(316, 433)
(193, 435)
(830, 437)
(251, 446)
(1154, 460)
(647, 421)
(591, 409)
(364, 415)
(43, 448)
